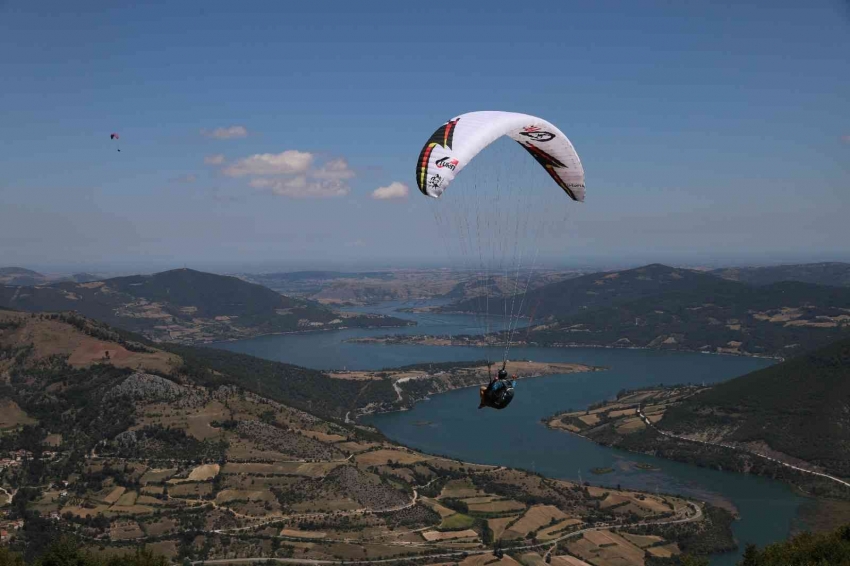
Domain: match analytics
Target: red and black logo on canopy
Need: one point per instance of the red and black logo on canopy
(550, 163)
(442, 137)
(536, 134)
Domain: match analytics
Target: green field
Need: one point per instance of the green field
(456, 522)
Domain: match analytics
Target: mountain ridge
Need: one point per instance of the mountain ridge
(599, 290)
(833, 273)
(186, 306)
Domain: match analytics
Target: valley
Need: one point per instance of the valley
(148, 453)
(257, 458)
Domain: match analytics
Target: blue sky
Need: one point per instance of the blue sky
(708, 133)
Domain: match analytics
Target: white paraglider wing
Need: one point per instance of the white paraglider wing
(458, 141)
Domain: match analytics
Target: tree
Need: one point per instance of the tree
(9, 558)
(750, 556)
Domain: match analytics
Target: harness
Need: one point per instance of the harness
(500, 393)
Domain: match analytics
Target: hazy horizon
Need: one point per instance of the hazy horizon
(578, 264)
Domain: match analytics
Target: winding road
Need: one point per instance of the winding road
(649, 424)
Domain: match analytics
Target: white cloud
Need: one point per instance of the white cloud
(293, 173)
(289, 162)
(231, 132)
(393, 190)
(216, 159)
(334, 170)
(300, 186)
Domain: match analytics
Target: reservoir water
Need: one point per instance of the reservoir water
(449, 424)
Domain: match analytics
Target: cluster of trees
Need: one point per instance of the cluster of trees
(806, 549)
(165, 443)
(696, 540)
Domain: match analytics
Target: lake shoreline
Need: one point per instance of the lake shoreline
(385, 340)
(284, 333)
(576, 369)
(821, 513)
(514, 437)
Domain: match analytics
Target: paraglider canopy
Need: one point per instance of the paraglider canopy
(113, 136)
(459, 140)
(503, 210)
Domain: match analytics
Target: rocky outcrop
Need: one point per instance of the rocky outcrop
(149, 388)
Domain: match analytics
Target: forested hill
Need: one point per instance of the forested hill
(600, 290)
(782, 319)
(800, 407)
(828, 549)
(209, 294)
(185, 305)
(825, 273)
(668, 308)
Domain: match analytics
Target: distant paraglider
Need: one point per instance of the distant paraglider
(114, 136)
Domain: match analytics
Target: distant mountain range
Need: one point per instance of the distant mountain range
(186, 306)
(826, 273)
(663, 307)
(371, 287)
(599, 290)
(20, 276)
(28, 277)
